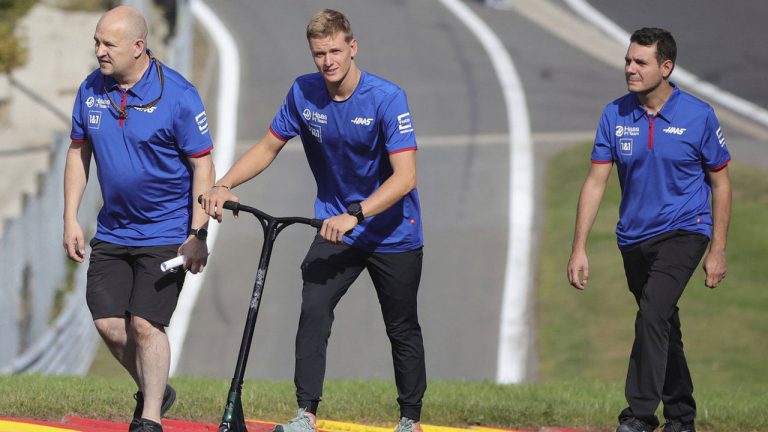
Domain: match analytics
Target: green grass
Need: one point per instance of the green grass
(584, 341)
(589, 334)
(582, 404)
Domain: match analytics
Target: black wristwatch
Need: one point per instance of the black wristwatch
(200, 233)
(356, 210)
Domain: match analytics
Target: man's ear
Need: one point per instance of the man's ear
(139, 46)
(666, 68)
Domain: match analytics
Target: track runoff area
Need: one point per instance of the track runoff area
(69, 424)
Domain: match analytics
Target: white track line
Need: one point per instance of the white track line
(514, 332)
(226, 129)
(720, 96)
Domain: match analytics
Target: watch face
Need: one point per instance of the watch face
(354, 209)
(200, 233)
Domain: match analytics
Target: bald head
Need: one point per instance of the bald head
(121, 44)
(127, 20)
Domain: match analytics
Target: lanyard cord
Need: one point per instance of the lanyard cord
(123, 112)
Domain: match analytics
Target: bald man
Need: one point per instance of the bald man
(146, 128)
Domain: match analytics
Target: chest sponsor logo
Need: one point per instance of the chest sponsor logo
(94, 119)
(404, 123)
(625, 146)
(149, 110)
(627, 131)
(202, 122)
(720, 137)
(675, 130)
(316, 131)
(314, 116)
(362, 121)
(98, 102)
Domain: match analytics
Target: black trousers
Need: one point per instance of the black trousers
(328, 271)
(657, 272)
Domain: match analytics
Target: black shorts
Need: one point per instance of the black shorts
(127, 280)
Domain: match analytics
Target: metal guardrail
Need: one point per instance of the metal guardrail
(34, 269)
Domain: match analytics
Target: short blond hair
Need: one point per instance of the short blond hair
(328, 23)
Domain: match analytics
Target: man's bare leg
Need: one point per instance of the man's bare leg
(114, 333)
(153, 359)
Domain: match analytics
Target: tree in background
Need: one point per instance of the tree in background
(12, 53)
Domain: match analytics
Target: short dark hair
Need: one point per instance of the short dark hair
(666, 48)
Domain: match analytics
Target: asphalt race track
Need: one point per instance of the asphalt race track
(460, 121)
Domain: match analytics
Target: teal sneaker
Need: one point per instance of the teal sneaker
(303, 422)
(408, 425)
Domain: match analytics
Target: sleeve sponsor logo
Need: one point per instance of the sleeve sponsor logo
(94, 119)
(720, 137)
(202, 123)
(404, 123)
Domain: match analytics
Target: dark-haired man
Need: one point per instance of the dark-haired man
(671, 158)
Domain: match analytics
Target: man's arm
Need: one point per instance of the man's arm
(714, 263)
(251, 164)
(589, 202)
(196, 251)
(75, 179)
(398, 185)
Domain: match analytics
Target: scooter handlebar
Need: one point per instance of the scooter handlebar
(229, 205)
(236, 206)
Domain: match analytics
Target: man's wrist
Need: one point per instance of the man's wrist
(199, 233)
(356, 210)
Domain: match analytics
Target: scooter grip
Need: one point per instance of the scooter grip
(317, 223)
(231, 205)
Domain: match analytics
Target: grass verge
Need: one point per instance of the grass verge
(589, 334)
(581, 404)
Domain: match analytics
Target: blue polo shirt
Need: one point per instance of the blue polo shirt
(348, 144)
(662, 162)
(142, 161)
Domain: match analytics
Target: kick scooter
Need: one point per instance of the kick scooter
(233, 419)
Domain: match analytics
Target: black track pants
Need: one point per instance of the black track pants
(328, 271)
(657, 272)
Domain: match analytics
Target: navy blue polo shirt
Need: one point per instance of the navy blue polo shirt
(662, 162)
(347, 144)
(142, 161)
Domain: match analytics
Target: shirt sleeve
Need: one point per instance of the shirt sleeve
(78, 131)
(713, 149)
(601, 150)
(190, 125)
(285, 124)
(397, 124)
